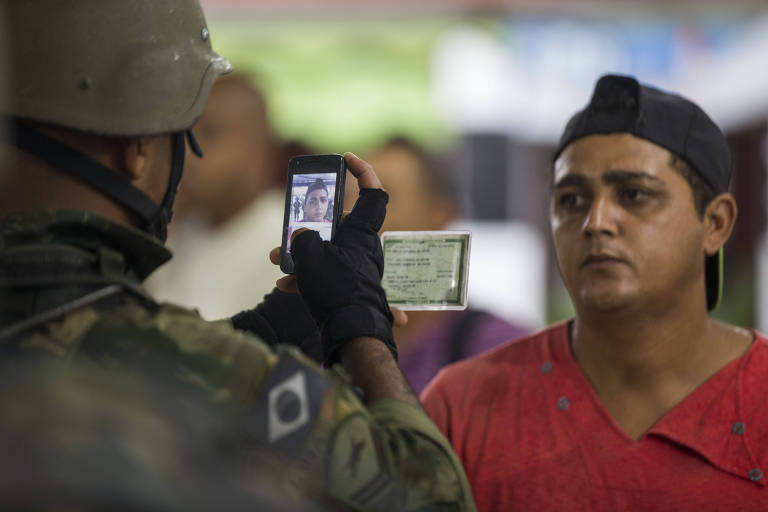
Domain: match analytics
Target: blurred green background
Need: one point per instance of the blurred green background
(340, 84)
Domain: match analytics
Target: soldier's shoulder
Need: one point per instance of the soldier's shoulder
(184, 326)
(171, 340)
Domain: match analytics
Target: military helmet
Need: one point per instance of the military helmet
(111, 67)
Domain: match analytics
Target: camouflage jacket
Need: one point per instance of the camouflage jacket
(70, 286)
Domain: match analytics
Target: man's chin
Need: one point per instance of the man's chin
(605, 301)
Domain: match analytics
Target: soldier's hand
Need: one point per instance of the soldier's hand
(341, 281)
(288, 283)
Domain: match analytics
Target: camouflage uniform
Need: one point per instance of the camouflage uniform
(78, 436)
(70, 286)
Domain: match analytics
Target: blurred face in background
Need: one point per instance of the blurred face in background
(413, 203)
(239, 153)
(316, 205)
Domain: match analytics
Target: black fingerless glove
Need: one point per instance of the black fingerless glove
(283, 318)
(341, 280)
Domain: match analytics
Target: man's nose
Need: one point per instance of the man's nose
(601, 217)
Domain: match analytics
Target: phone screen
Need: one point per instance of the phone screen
(312, 204)
(314, 199)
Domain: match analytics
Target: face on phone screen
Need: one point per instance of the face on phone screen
(312, 204)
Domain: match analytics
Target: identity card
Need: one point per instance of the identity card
(426, 269)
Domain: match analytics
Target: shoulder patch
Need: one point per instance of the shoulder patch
(358, 468)
(287, 405)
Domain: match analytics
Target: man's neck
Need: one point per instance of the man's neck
(641, 366)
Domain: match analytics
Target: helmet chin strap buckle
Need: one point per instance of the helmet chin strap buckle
(193, 144)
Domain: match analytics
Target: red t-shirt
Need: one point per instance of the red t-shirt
(533, 435)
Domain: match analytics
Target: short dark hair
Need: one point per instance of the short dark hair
(703, 193)
(318, 184)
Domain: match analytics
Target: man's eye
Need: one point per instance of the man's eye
(570, 200)
(634, 194)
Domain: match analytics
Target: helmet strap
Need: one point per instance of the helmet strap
(154, 217)
(158, 225)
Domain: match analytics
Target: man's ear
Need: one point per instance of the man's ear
(719, 219)
(135, 162)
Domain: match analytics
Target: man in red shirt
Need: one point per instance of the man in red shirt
(643, 401)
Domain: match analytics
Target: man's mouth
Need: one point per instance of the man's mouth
(601, 260)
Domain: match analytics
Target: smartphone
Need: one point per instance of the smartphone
(314, 199)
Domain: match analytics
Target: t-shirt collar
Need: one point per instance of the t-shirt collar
(719, 420)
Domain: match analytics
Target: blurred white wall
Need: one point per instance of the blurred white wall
(528, 82)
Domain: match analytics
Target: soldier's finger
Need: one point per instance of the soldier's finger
(362, 170)
(287, 284)
(297, 233)
(274, 256)
(400, 318)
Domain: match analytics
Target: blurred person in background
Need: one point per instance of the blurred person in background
(230, 208)
(100, 115)
(423, 198)
(290, 148)
(296, 208)
(643, 401)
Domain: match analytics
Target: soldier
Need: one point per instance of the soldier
(104, 97)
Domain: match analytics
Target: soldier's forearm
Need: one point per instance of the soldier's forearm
(371, 366)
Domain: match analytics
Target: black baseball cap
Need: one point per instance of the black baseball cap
(318, 184)
(621, 104)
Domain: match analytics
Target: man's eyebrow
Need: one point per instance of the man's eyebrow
(571, 180)
(609, 178)
(618, 176)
